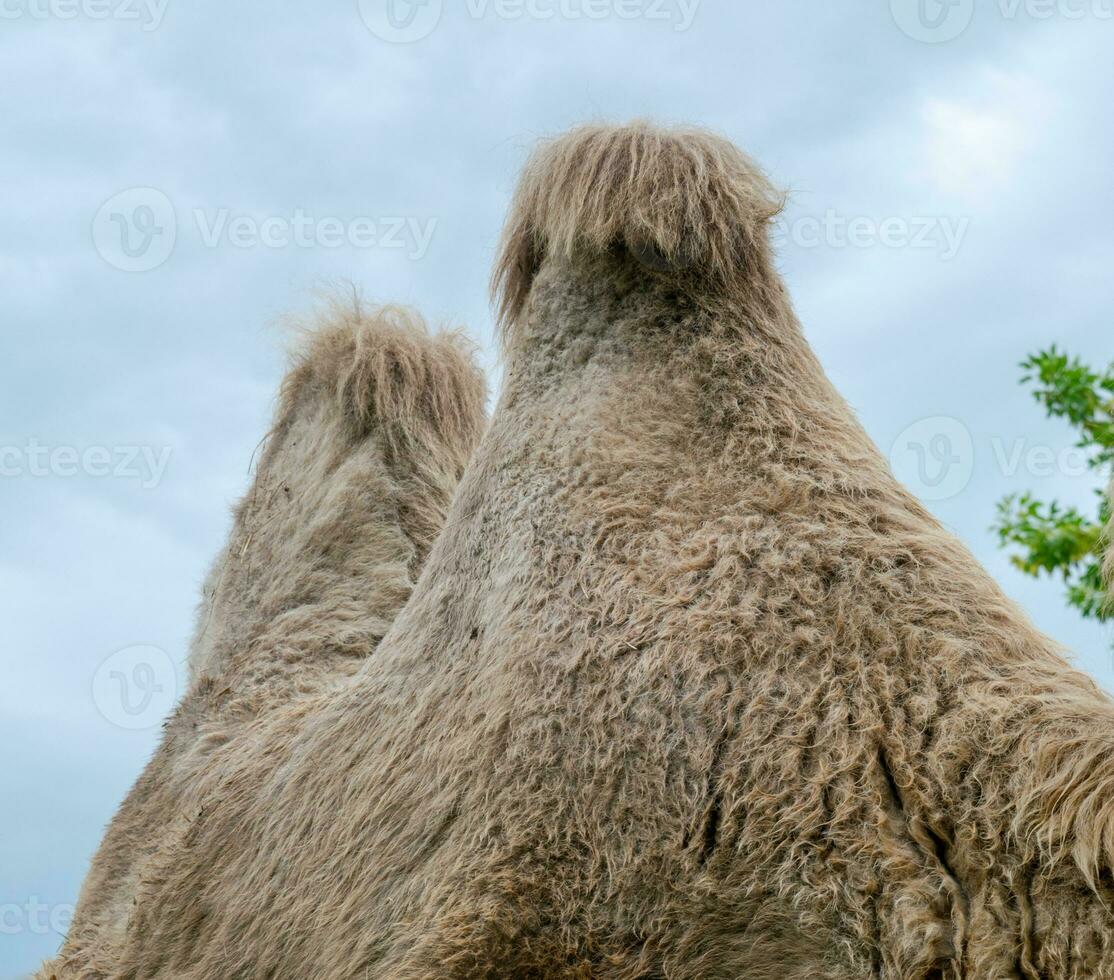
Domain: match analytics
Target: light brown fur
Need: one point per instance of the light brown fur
(690, 687)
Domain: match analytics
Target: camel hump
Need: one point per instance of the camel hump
(377, 418)
(684, 201)
(382, 366)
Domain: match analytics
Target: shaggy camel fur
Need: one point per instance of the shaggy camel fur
(375, 422)
(689, 687)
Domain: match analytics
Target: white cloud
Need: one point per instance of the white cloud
(974, 144)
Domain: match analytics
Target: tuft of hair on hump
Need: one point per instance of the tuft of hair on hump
(382, 367)
(682, 200)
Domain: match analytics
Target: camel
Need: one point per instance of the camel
(688, 687)
(375, 421)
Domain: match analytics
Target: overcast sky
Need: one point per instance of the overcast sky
(177, 176)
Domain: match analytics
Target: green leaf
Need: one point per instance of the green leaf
(1047, 539)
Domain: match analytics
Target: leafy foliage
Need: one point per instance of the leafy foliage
(1063, 541)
